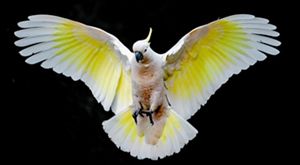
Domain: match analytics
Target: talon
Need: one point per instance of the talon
(137, 112)
(150, 117)
(141, 112)
(134, 115)
(149, 114)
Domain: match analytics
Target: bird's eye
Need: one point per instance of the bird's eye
(145, 50)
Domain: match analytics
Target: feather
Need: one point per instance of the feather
(31, 32)
(77, 51)
(216, 51)
(37, 48)
(33, 40)
(122, 130)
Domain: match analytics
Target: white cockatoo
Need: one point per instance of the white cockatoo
(151, 94)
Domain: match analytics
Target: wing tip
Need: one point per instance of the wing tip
(21, 24)
(35, 16)
(24, 53)
(239, 17)
(275, 52)
(47, 18)
(17, 43)
(18, 33)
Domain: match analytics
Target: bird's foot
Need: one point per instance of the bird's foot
(135, 115)
(141, 113)
(149, 114)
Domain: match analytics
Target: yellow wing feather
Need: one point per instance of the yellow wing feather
(81, 52)
(208, 56)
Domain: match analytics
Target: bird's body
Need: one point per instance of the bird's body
(151, 94)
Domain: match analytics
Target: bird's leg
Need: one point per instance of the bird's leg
(135, 115)
(156, 102)
(141, 112)
(149, 114)
(138, 112)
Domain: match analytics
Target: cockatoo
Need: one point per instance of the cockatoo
(152, 95)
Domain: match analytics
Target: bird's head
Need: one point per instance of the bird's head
(142, 49)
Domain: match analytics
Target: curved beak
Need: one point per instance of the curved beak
(138, 56)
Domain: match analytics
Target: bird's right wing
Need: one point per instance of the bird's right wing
(81, 52)
(209, 55)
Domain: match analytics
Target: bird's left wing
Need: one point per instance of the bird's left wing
(209, 55)
(81, 52)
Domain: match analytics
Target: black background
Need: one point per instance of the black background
(49, 119)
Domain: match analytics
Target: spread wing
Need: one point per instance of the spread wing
(81, 52)
(209, 55)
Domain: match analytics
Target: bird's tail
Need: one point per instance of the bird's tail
(123, 132)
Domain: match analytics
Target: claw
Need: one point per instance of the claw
(137, 112)
(141, 112)
(135, 115)
(150, 117)
(149, 114)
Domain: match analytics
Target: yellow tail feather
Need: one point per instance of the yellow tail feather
(123, 132)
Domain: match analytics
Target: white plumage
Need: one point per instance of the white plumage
(151, 94)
